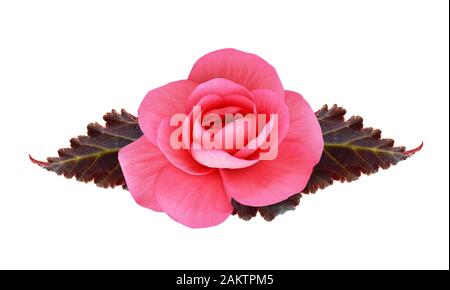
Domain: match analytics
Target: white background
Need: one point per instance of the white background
(64, 64)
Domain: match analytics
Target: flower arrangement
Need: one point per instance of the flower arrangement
(228, 140)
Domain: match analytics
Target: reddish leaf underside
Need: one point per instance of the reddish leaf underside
(350, 150)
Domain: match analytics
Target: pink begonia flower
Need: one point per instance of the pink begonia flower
(195, 185)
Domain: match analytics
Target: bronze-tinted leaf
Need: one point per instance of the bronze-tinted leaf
(269, 212)
(94, 157)
(350, 150)
(245, 212)
(272, 211)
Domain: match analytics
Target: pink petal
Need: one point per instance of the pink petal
(141, 162)
(254, 145)
(215, 158)
(248, 70)
(267, 103)
(181, 158)
(219, 87)
(213, 102)
(237, 133)
(161, 103)
(272, 181)
(194, 201)
(304, 126)
(226, 110)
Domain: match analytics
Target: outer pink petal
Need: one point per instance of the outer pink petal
(220, 87)
(246, 69)
(194, 201)
(181, 158)
(141, 162)
(304, 126)
(161, 103)
(272, 181)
